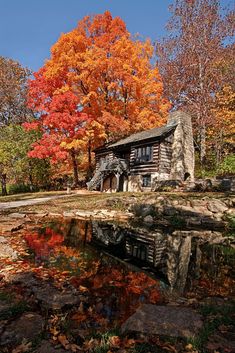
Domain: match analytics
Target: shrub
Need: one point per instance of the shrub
(228, 165)
(20, 188)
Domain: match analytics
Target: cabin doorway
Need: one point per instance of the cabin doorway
(110, 183)
(123, 183)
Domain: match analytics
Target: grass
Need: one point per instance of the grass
(89, 201)
(214, 317)
(145, 348)
(14, 310)
(6, 297)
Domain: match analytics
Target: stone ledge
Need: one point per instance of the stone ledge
(164, 320)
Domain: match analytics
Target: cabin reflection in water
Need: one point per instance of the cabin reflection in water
(176, 255)
(145, 246)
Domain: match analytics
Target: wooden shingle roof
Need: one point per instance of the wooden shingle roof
(143, 135)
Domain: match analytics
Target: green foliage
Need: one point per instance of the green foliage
(228, 165)
(211, 170)
(15, 143)
(20, 189)
(231, 222)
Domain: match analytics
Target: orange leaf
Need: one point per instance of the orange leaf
(115, 341)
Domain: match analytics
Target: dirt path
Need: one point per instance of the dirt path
(37, 200)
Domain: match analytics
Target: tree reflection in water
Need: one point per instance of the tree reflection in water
(187, 259)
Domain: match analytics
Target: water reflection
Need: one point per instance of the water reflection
(184, 259)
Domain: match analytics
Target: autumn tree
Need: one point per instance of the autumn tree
(199, 33)
(223, 130)
(16, 167)
(108, 77)
(13, 111)
(13, 92)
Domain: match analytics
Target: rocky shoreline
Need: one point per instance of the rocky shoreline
(30, 300)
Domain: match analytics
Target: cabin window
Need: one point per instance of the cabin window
(146, 181)
(104, 159)
(143, 154)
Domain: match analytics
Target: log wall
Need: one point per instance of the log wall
(145, 167)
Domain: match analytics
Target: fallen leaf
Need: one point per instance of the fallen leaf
(189, 347)
(129, 343)
(114, 341)
(83, 289)
(63, 341)
(79, 317)
(23, 347)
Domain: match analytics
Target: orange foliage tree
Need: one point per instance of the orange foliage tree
(110, 81)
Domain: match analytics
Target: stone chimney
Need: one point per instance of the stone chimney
(182, 166)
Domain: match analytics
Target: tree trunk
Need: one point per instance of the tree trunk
(75, 168)
(30, 176)
(89, 171)
(202, 144)
(4, 184)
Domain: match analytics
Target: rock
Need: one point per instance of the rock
(9, 225)
(27, 279)
(83, 214)
(226, 184)
(230, 212)
(166, 185)
(200, 210)
(205, 236)
(40, 214)
(190, 186)
(170, 211)
(201, 185)
(148, 219)
(2, 240)
(160, 198)
(103, 214)
(68, 214)
(199, 203)
(28, 326)
(45, 293)
(164, 320)
(193, 221)
(191, 211)
(17, 215)
(2, 325)
(4, 306)
(47, 347)
(216, 206)
(52, 214)
(142, 210)
(6, 250)
(52, 298)
(209, 222)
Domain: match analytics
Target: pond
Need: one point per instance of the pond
(180, 261)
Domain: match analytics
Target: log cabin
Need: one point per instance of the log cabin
(136, 162)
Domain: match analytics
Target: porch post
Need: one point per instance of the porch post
(118, 182)
(101, 183)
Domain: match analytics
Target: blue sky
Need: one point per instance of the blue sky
(28, 28)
